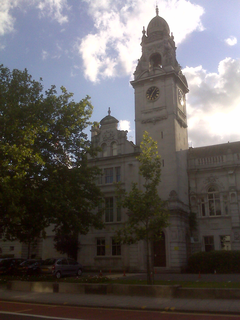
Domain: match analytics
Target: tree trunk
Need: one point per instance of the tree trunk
(150, 279)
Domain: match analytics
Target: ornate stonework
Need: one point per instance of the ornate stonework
(108, 135)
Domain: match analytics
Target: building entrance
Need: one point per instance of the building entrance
(159, 251)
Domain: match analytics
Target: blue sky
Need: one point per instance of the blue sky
(92, 46)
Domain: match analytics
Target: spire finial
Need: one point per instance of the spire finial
(157, 11)
(109, 111)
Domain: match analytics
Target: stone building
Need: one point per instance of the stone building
(203, 181)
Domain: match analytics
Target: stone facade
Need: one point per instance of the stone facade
(198, 181)
(214, 187)
(201, 181)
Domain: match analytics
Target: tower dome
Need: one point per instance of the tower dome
(158, 25)
(109, 120)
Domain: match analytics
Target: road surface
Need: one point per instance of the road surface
(28, 311)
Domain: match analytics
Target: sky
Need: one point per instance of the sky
(91, 47)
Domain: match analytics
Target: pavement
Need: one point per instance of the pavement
(135, 302)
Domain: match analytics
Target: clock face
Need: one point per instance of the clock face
(181, 98)
(152, 93)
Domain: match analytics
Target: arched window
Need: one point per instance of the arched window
(113, 149)
(104, 150)
(214, 205)
(155, 61)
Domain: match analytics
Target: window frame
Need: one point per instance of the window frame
(109, 209)
(229, 242)
(211, 246)
(108, 175)
(214, 202)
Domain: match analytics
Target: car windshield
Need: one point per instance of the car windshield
(27, 263)
(48, 262)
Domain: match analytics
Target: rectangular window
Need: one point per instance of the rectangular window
(11, 248)
(118, 173)
(225, 242)
(162, 162)
(116, 248)
(209, 243)
(162, 134)
(214, 204)
(100, 247)
(108, 175)
(109, 209)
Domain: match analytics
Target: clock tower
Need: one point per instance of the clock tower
(160, 109)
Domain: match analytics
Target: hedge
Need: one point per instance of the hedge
(219, 261)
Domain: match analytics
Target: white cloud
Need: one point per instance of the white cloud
(214, 103)
(54, 9)
(50, 8)
(44, 54)
(114, 47)
(231, 41)
(124, 125)
(6, 20)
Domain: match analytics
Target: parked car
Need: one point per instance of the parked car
(10, 266)
(30, 267)
(61, 267)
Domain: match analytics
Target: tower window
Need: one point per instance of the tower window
(161, 134)
(162, 162)
(155, 61)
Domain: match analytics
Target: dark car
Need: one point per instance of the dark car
(30, 267)
(10, 266)
(61, 267)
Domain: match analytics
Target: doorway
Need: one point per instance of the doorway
(159, 251)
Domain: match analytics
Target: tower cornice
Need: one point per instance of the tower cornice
(179, 78)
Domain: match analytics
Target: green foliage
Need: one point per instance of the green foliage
(222, 261)
(44, 177)
(66, 243)
(147, 214)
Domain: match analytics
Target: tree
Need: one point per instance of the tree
(66, 242)
(44, 177)
(147, 214)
